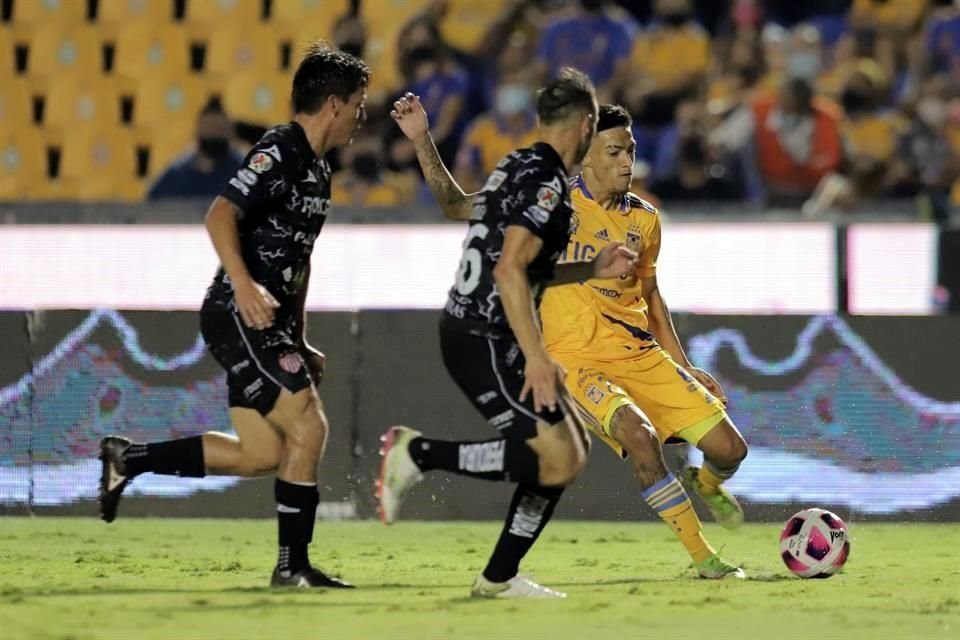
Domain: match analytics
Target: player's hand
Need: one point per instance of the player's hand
(409, 114)
(709, 382)
(614, 260)
(316, 363)
(255, 304)
(543, 377)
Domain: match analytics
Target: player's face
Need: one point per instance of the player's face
(611, 158)
(351, 115)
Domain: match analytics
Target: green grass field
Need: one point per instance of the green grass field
(75, 578)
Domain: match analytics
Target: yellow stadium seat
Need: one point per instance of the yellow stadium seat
(127, 12)
(28, 14)
(16, 104)
(167, 146)
(291, 15)
(7, 66)
(23, 162)
(467, 21)
(169, 103)
(216, 13)
(78, 103)
(56, 50)
(98, 163)
(258, 100)
(147, 51)
(253, 48)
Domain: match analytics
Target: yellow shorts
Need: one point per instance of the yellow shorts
(679, 407)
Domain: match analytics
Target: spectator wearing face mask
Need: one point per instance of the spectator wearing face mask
(511, 124)
(591, 40)
(203, 172)
(364, 181)
(870, 131)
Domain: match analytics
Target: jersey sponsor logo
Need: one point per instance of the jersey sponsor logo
(609, 293)
(548, 198)
(247, 177)
(495, 180)
(594, 394)
(261, 162)
(274, 151)
(537, 215)
(484, 398)
(240, 366)
(314, 205)
(291, 362)
(239, 186)
(528, 516)
(483, 456)
(602, 235)
(252, 390)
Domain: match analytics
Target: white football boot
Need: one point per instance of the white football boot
(515, 587)
(398, 472)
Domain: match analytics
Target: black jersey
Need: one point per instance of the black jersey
(529, 189)
(283, 190)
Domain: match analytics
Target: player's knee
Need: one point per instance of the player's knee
(731, 452)
(638, 437)
(308, 432)
(562, 467)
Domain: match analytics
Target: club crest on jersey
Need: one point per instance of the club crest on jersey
(547, 198)
(574, 223)
(634, 239)
(291, 362)
(261, 162)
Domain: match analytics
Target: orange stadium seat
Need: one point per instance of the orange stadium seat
(81, 103)
(98, 165)
(254, 48)
(30, 14)
(127, 12)
(23, 162)
(169, 102)
(64, 50)
(148, 51)
(16, 104)
(258, 99)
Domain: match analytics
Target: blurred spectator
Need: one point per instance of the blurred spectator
(699, 176)
(350, 34)
(512, 123)
(591, 40)
(889, 18)
(942, 43)
(364, 181)
(672, 58)
(202, 173)
(805, 55)
(870, 131)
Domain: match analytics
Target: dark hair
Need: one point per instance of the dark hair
(324, 72)
(613, 116)
(570, 92)
(214, 106)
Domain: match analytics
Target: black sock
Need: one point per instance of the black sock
(183, 457)
(530, 510)
(499, 460)
(296, 514)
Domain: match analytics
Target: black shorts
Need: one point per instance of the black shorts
(490, 373)
(259, 364)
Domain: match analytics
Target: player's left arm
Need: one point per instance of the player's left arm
(315, 359)
(412, 120)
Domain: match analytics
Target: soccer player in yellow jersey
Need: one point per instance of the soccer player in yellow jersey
(624, 363)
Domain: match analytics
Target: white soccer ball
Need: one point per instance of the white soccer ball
(815, 543)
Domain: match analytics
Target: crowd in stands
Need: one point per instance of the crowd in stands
(819, 106)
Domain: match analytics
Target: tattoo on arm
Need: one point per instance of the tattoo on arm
(451, 198)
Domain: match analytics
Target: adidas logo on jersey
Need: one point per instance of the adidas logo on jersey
(602, 235)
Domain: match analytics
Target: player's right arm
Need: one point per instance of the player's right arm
(541, 375)
(412, 119)
(254, 302)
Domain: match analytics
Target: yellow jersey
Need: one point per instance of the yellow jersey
(603, 316)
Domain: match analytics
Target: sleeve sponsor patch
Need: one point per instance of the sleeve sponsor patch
(537, 215)
(261, 162)
(239, 186)
(247, 177)
(495, 180)
(547, 198)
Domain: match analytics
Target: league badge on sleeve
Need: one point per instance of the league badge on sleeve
(547, 198)
(261, 162)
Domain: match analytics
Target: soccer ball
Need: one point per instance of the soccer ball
(814, 543)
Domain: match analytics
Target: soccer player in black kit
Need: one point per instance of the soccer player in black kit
(263, 227)
(520, 223)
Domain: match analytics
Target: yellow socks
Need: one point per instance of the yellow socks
(711, 478)
(672, 504)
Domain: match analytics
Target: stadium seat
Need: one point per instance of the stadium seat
(289, 16)
(166, 146)
(81, 103)
(150, 51)
(57, 50)
(207, 16)
(254, 48)
(163, 103)
(7, 65)
(128, 12)
(467, 21)
(31, 14)
(98, 165)
(23, 162)
(16, 109)
(257, 99)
